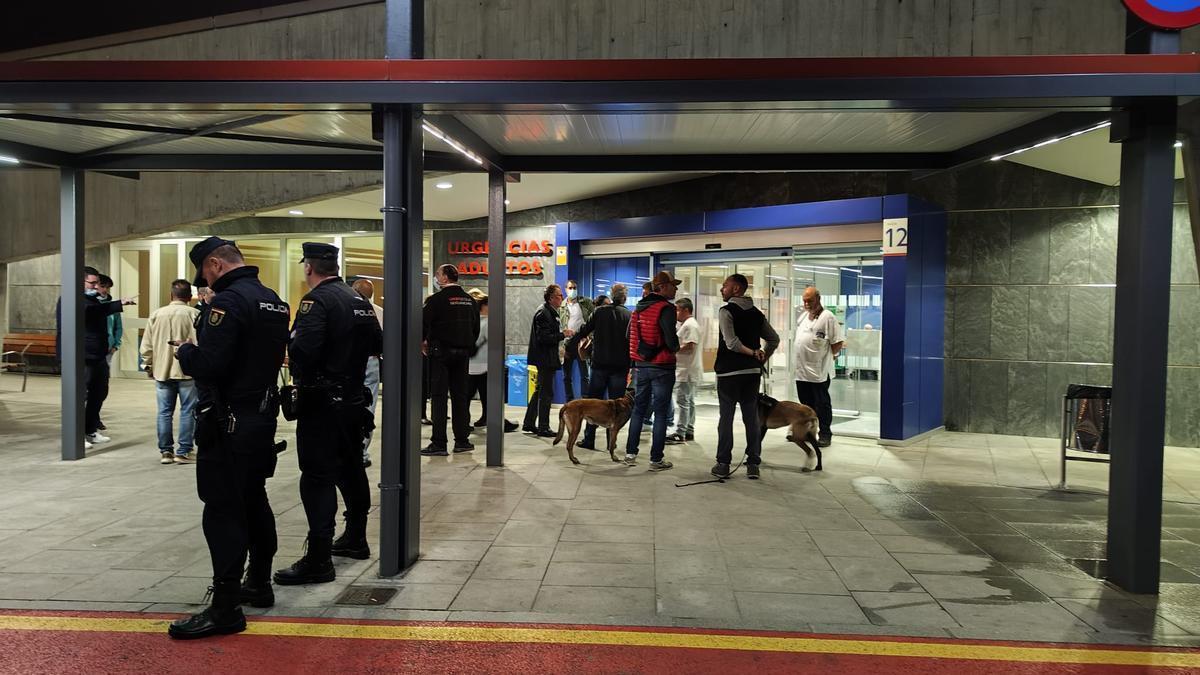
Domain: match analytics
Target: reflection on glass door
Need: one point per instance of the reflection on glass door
(133, 273)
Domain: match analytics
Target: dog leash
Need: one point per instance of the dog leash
(764, 375)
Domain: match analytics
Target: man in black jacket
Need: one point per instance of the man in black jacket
(235, 366)
(334, 334)
(450, 323)
(544, 337)
(609, 328)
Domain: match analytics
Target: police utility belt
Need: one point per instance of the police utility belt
(221, 416)
(296, 400)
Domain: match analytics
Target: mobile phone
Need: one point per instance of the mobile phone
(173, 343)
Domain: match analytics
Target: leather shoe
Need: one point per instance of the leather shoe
(256, 595)
(545, 433)
(509, 427)
(346, 547)
(432, 450)
(211, 621)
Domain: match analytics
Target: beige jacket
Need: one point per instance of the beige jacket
(176, 321)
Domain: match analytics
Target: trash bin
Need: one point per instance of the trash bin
(518, 379)
(1086, 412)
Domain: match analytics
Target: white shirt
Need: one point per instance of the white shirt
(477, 365)
(574, 316)
(813, 341)
(689, 367)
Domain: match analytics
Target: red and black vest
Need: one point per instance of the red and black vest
(646, 345)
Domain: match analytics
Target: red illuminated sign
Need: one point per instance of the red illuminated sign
(513, 268)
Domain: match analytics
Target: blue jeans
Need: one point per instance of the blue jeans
(685, 401)
(185, 390)
(604, 383)
(652, 393)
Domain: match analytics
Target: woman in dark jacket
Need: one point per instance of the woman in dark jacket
(544, 337)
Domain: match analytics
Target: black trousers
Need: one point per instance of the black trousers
(741, 391)
(478, 385)
(572, 359)
(329, 447)
(816, 396)
(448, 375)
(95, 374)
(231, 477)
(608, 384)
(537, 414)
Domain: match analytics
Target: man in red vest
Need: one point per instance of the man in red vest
(653, 342)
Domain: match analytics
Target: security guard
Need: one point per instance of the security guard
(450, 325)
(334, 334)
(235, 367)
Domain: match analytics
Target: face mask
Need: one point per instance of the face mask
(571, 293)
(437, 286)
(91, 292)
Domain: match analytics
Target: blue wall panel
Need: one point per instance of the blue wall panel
(647, 226)
(836, 212)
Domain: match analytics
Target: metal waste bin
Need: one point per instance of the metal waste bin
(1087, 409)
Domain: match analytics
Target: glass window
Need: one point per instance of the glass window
(168, 271)
(363, 257)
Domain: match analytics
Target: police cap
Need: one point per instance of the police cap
(202, 250)
(319, 251)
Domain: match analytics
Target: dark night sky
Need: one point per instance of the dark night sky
(32, 23)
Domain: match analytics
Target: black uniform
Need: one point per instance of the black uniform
(235, 368)
(334, 334)
(450, 321)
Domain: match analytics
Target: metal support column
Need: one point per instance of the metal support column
(497, 275)
(403, 221)
(71, 321)
(1147, 134)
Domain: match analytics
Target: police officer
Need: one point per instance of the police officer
(334, 334)
(450, 321)
(235, 367)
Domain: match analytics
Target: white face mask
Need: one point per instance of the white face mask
(91, 292)
(571, 293)
(437, 285)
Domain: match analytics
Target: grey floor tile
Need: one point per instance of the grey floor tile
(955, 587)
(438, 572)
(1013, 548)
(1048, 619)
(529, 533)
(684, 538)
(526, 563)
(496, 596)
(903, 609)
(834, 543)
(926, 544)
(791, 607)
(828, 520)
(70, 562)
(781, 558)
(448, 549)
(690, 567)
(461, 531)
(176, 589)
(873, 574)
(1063, 580)
(1120, 616)
(586, 551)
(115, 585)
(881, 526)
(37, 586)
(1094, 550)
(941, 563)
(773, 580)
(596, 601)
(695, 600)
(424, 596)
(609, 517)
(547, 510)
(629, 575)
(608, 533)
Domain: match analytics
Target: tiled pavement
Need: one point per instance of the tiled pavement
(960, 535)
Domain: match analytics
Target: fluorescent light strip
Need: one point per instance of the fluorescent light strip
(1102, 125)
(5, 159)
(452, 143)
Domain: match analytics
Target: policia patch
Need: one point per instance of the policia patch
(305, 305)
(215, 317)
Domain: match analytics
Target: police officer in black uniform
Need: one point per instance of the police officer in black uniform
(450, 321)
(235, 366)
(334, 334)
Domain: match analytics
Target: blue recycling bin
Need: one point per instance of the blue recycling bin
(517, 366)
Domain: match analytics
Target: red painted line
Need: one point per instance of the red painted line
(466, 70)
(54, 652)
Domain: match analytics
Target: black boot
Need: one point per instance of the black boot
(315, 567)
(222, 617)
(353, 542)
(256, 588)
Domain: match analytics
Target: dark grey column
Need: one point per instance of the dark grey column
(497, 190)
(71, 241)
(403, 221)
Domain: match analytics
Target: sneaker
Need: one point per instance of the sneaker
(185, 459)
(675, 439)
(167, 458)
(630, 459)
(97, 438)
(87, 445)
(660, 466)
(720, 470)
(463, 447)
(752, 471)
(689, 436)
(432, 450)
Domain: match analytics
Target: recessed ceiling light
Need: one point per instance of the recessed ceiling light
(444, 185)
(506, 202)
(295, 212)
(9, 160)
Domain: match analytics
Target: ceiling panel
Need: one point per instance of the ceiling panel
(749, 132)
(203, 145)
(178, 120)
(1088, 156)
(332, 127)
(64, 137)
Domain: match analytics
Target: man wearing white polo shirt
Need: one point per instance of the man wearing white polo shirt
(817, 343)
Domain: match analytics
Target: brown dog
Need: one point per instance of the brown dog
(800, 419)
(611, 414)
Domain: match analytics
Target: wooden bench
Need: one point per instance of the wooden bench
(18, 347)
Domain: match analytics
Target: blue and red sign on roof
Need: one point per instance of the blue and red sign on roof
(1174, 14)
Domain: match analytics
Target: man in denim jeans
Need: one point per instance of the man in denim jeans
(174, 323)
(653, 342)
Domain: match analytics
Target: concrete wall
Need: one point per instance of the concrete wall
(119, 208)
(595, 29)
(33, 288)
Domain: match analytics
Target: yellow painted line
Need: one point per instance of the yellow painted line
(629, 638)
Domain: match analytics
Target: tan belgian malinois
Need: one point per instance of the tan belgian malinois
(800, 419)
(611, 414)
